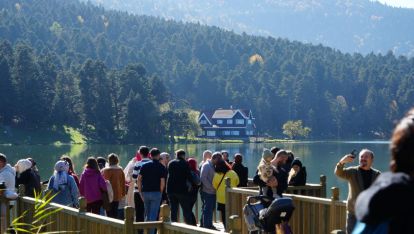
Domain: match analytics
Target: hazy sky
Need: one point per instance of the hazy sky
(399, 3)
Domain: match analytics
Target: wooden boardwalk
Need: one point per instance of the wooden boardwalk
(313, 214)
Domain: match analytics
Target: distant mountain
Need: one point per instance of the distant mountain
(349, 25)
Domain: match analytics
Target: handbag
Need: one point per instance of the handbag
(106, 200)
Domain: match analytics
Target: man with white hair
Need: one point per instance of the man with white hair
(206, 156)
(359, 178)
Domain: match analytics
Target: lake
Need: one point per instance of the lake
(319, 157)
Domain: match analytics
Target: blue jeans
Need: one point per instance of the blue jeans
(152, 206)
(209, 202)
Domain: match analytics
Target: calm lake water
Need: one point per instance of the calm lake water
(318, 157)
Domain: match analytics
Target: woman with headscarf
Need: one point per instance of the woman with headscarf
(92, 184)
(195, 184)
(63, 185)
(71, 168)
(26, 176)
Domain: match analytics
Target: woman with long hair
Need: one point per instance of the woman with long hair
(92, 184)
(223, 171)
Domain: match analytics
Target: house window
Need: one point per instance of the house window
(226, 133)
(229, 121)
(249, 121)
(239, 121)
(235, 133)
(249, 133)
(211, 133)
(203, 121)
(219, 121)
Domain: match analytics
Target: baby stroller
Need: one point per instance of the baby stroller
(262, 213)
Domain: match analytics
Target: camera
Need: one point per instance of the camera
(353, 153)
(2, 185)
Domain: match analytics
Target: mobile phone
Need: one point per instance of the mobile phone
(353, 153)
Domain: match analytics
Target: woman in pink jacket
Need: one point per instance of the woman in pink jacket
(92, 184)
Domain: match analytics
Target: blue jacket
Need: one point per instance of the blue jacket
(67, 194)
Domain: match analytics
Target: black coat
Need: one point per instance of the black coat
(30, 180)
(299, 179)
(242, 172)
(388, 201)
(282, 184)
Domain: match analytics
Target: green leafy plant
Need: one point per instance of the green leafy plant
(41, 212)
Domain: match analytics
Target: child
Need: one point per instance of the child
(265, 171)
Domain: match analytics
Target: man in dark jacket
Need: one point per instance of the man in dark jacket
(388, 205)
(178, 174)
(280, 174)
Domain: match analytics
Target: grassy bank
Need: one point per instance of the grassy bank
(53, 135)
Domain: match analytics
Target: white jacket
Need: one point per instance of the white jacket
(8, 176)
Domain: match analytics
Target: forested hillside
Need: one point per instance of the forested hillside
(349, 25)
(58, 47)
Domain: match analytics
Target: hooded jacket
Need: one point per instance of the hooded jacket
(8, 176)
(91, 185)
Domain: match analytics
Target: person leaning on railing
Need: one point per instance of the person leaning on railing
(7, 173)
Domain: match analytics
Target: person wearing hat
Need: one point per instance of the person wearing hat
(63, 185)
(26, 176)
(281, 176)
(265, 170)
(297, 175)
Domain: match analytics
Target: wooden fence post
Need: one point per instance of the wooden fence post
(322, 182)
(334, 199)
(81, 212)
(129, 220)
(228, 205)
(165, 213)
(234, 224)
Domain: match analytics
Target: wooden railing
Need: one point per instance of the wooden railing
(315, 190)
(79, 221)
(311, 215)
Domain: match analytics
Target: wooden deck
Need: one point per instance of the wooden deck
(313, 214)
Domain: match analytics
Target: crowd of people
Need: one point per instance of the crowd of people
(152, 178)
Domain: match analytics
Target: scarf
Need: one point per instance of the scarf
(61, 174)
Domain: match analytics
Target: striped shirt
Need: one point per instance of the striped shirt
(137, 169)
